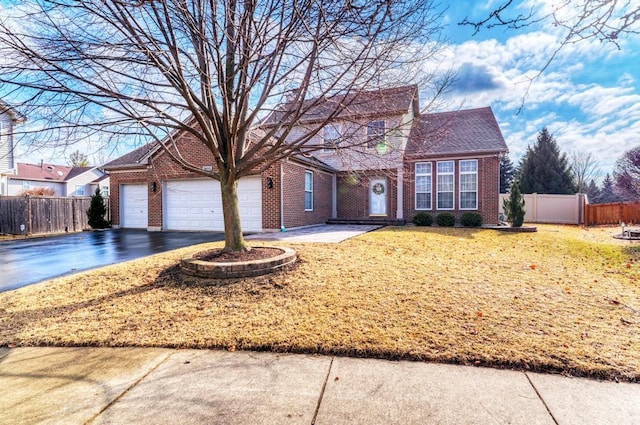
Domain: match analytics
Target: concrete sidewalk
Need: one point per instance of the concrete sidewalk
(321, 233)
(163, 386)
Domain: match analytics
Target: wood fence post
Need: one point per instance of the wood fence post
(29, 219)
(74, 213)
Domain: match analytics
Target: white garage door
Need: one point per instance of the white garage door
(197, 204)
(134, 206)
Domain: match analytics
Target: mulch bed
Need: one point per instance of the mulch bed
(218, 255)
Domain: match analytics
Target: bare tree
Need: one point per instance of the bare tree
(584, 168)
(626, 174)
(578, 20)
(212, 69)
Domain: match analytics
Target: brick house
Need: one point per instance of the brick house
(378, 159)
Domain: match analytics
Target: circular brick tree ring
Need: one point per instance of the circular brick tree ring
(226, 270)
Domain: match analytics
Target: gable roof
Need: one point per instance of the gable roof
(132, 159)
(15, 115)
(457, 132)
(48, 172)
(393, 101)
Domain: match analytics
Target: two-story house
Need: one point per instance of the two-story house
(375, 157)
(61, 179)
(9, 117)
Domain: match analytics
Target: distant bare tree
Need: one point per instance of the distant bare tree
(584, 168)
(626, 174)
(210, 69)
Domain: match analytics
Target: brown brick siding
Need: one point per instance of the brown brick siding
(353, 193)
(293, 191)
(163, 168)
(271, 198)
(488, 178)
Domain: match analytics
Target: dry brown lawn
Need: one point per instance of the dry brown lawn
(564, 299)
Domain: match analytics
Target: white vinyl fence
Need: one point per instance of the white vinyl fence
(561, 209)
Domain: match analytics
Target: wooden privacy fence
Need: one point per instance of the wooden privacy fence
(29, 214)
(612, 213)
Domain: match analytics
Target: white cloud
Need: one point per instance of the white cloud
(584, 103)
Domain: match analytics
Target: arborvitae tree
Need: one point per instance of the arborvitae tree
(513, 206)
(593, 192)
(97, 211)
(507, 172)
(544, 169)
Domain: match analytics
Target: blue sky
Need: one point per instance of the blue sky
(588, 98)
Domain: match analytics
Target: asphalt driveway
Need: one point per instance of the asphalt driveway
(27, 261)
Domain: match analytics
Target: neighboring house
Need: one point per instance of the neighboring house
(399, 163)
(63, 180)
(8, 119)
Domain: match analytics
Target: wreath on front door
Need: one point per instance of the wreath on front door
(378, 188)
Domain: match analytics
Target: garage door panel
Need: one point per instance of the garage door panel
(134, 201)
(197, 205)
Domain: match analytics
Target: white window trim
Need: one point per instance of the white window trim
(460, 191)
(416, 185)
(80, 186)
(310, 173)
(453, 192)
(383, 135)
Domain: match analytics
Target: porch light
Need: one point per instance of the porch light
(153, 186)
(269, 183)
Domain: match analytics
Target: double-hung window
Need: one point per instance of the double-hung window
(423, 186)
(331, 136)
(79, 190)
(445, 185)
(469, 184)
(375, 134)
(308, 191)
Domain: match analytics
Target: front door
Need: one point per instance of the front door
(378, 197)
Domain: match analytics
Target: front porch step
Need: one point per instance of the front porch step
(372, 221)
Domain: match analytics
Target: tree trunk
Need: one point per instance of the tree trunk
(233, 240)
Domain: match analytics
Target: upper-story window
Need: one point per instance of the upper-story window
(104, 190)
(468, 184)
(79, 190)
(445, 185)
(331, 136)
(375, 134)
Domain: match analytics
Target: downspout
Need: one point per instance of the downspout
(282, 228)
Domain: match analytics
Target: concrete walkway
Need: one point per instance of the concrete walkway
(322, 233)
(163, 386)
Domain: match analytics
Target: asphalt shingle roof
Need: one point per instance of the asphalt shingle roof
(391, 101)
(131, 158)
(464, 131)
(43, 171)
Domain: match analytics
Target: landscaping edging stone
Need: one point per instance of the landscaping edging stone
(227, 270)
(522, 229)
